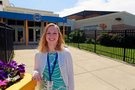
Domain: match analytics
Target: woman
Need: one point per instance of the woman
(53, 68)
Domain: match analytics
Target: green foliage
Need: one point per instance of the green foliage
(90, 40)
(66, 38)
(77, 36)
(130, 41)
(105, 39)
(117, 40)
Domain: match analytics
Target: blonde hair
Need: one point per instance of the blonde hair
(43, 45)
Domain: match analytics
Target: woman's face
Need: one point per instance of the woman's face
(52, 35)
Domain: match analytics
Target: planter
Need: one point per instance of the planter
(24, 84)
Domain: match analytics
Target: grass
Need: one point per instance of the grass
(113, 52)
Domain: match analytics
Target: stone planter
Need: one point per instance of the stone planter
(24, 84)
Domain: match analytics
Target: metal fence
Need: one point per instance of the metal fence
(119, 44)
(6, 42)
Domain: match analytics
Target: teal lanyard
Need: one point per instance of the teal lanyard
(48, 62)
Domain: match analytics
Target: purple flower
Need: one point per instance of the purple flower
(1, 71)
(3, 75)
(21, 68)
(13, 64)
(8, 72)
(1, 63)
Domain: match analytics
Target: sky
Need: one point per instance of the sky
(68, 7)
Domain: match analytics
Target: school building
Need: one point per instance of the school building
(101, 20)
(28, 24)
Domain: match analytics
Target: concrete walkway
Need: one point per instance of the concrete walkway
(91, 71)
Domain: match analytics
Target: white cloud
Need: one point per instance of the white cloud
(100, 5)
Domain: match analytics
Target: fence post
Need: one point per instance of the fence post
(124, 54)
(95, 41)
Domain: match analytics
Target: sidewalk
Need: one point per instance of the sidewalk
(92, 72)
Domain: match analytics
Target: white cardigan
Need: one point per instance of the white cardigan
(65, 65)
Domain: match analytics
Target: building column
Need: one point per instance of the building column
(63, 31)
(26, 32)
(42, 28)
(1, 19)
(56, 23)
(46, 23)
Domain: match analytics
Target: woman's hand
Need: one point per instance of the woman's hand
(36, 76)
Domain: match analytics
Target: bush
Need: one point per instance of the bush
(77, 36)
(88, 40)
(130, 41)
(116, 40)
(105, 39)
(66, 38)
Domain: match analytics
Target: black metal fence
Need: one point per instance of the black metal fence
(119, 44)
(6, 42)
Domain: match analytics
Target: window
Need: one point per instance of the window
(20, 34)
(38, 24)
(11, 22)
(30, 23)
(20, 22)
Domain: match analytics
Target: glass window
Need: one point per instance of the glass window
(30, 23)
(38, 24)
(11, 22)
(44, 23)
(37, 34)
(31, 36)
(20, 22)
(20, 34)
(14, 35)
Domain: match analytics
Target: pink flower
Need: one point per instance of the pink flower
(3, 83)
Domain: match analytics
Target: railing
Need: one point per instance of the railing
(119, 44)
(6, 42)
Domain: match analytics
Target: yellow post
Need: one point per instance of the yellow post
(26, 33)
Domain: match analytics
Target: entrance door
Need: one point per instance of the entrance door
(18, 34)
(34, 34)
(37, 34)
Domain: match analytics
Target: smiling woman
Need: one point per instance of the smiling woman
(53, 69)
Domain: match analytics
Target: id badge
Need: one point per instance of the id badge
(49, 85)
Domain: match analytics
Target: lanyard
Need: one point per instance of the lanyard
(50, 73)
